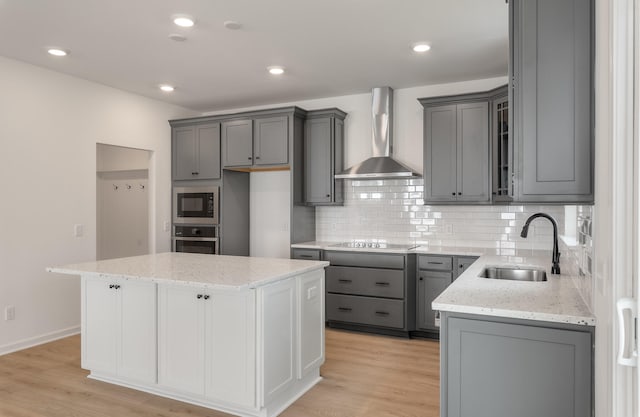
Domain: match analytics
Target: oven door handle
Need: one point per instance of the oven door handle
(197, 239)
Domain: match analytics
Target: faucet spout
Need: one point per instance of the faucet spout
(555, 267)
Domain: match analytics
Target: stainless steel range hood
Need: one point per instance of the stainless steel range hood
(381, 164)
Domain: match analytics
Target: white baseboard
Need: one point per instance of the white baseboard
(38, 340)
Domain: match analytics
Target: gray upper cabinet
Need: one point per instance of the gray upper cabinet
(196, 152)
(271, 141)
(552, 79)
(261, 141)
(501, 148)
(456, 149)
(323, 150)
(237, 143)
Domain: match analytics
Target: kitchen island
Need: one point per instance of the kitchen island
(237, 334)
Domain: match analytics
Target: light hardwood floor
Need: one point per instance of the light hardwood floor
(364, 375)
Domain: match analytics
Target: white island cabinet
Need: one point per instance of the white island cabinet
(236, 334)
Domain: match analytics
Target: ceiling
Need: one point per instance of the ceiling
(328, 47)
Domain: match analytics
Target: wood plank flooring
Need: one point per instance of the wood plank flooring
(364, 375)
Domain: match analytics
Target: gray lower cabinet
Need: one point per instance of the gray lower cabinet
(552, 53)
(370, 291)
(430, 285)
(323, 157)
(435, 273)
(495, 367)
(456, 149)
(196, 152)
(307, 254)
(259, 141)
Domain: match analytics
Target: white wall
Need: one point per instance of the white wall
(269, 219)
(49, 126)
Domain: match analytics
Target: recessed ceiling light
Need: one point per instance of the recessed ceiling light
(184, 21)
(167, 88)
(57, 52)
(276, 70)
(233, 25)
(421, 47)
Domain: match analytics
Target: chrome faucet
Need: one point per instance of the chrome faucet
(555, 268)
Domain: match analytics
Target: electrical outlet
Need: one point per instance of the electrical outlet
(312, 293)
(78, 230)
(166, 226)
(10, 313)
(448, 229)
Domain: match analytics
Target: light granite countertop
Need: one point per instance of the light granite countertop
(211, 271)
(556, 300)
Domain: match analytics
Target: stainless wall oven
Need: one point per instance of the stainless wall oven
(196, 239)
(195, 205)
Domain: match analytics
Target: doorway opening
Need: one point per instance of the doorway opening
(122, 201)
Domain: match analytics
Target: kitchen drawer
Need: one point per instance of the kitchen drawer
(309, 254)
(367, 260)
(440, 263)
(365, 281)
(365, 310)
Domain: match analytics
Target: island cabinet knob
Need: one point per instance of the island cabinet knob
(206, 297)
(199, 296)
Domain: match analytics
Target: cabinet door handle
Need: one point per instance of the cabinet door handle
(459, 193)
(257, 157)
(382, 313)
(344, 308)
(111, 286)
(344, 280)
(249, 158)
(206, 297)
(199, 296)
(453, 193)
(382, 284)
(116, 287)
(328, 195)
(421, 279)
(194, 173)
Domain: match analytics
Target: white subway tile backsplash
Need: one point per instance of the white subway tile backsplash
(393, 210)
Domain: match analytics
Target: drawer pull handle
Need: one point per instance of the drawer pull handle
(382, 313)
(434, 263)
(344, 308)
(305, 256)
(382, 284)
(344, 280)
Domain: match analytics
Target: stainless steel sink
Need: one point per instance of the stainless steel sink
(515, 274)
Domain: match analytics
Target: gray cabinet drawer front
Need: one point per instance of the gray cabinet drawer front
(365, 310)
(309, 254)
(365, 281)
(441, 263)
(369, 260)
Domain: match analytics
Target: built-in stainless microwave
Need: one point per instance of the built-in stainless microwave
(195, 205)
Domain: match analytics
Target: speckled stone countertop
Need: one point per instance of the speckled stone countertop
(556, 300)
(212, 271)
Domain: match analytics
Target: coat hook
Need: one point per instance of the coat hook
(115, 187)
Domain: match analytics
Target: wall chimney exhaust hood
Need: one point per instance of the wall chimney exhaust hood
(381, 164)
